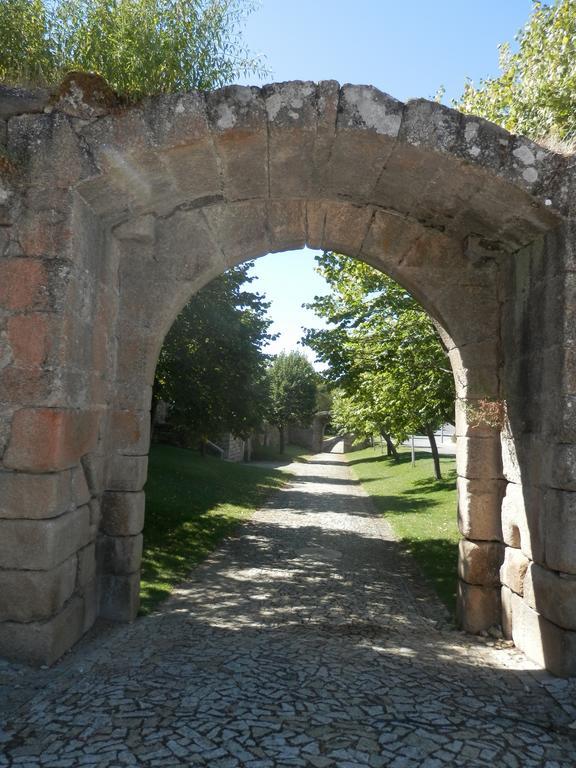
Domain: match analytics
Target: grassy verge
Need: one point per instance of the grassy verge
(192, 503)
(421, 510)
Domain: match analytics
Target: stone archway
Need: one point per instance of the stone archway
(111, 220)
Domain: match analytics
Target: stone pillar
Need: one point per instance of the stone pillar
(479, 483)
(538, 510)
(51, 401)
(120, 539)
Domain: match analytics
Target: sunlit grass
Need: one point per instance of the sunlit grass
(192, 503)
(420, 509)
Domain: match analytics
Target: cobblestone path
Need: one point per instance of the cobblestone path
(308, 640)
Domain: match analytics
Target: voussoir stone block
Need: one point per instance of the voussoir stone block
(238, 229)
(123, 513)
(238, 121)
(479, 562)
(287, 224)
(478, 607)
(430, 124)
(50, 439)
(29, 595)
(367, 126)
(292, 119)
(43, 544)
(513, 570)
(479, 505)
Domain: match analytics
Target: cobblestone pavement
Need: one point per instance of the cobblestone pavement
(308, 640)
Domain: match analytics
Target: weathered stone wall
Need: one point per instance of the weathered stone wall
(539, 461)
(309, 437)
(234, 448)
(110, 221)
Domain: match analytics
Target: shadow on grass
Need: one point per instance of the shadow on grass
(402, 504)
(192, 503)
(421, 510)
(438, 559)
(403, 458)
(430, 485)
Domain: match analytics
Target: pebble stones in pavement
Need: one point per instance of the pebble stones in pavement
(307, 640)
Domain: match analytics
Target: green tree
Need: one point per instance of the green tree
(384, 355)
(139, 46)
(292, 383)
(212, 368)
(535, 94)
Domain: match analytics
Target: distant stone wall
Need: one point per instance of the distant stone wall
(234, 447)
(343, 444)
(267, 436)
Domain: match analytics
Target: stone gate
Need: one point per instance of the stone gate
(112, 216)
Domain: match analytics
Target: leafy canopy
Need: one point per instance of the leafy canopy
(292, 383)
(383, 353)
(140, 47)
(535, 94)
(212, 368)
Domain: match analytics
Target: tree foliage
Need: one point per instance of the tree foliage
(212, 369)
(535, 94)
(139, 46)
(292, 383)
(384, 355)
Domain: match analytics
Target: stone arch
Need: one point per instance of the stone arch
(113, 220)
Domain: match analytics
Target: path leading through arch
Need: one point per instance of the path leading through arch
(307, 640)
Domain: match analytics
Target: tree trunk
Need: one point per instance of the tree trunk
(281, 431)
(390, 447)
(435, 454)
(202, 446)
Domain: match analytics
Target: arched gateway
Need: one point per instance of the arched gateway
(111, 219)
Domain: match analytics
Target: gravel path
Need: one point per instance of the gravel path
(308, 640)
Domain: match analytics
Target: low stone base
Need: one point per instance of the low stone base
(119, 596)
(44, 642)
(478, 608)
(545, 643)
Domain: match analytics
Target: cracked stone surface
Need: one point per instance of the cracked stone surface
(307, 640)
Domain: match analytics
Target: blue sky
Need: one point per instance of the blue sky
(407, 49)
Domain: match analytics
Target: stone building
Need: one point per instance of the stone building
(111, 217)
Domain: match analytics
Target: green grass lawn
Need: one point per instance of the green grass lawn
(421, 510)
(192, 503)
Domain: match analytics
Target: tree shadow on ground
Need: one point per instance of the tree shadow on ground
(431, 485)
(192, 503)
